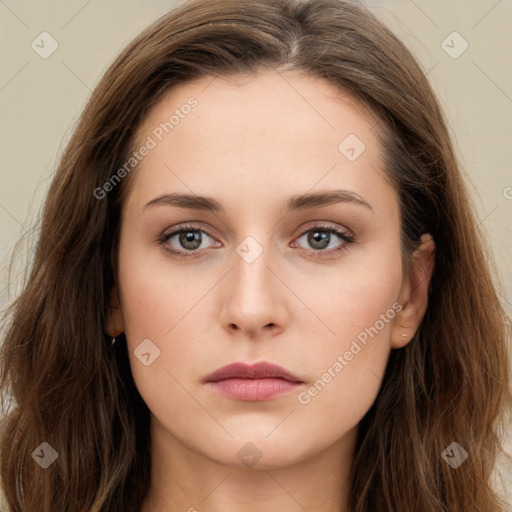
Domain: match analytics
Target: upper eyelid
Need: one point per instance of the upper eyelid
(192, 226)
(180, 228)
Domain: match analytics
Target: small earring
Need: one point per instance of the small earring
(113, 334)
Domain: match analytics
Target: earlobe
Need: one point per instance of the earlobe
(115, 322)
(414, 293)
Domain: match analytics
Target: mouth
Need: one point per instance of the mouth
(258, 382)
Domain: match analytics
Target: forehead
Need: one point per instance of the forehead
(290, 104)
(277, 131)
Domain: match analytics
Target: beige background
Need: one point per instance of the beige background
(40, 99)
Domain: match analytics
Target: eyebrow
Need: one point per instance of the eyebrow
(294, 203)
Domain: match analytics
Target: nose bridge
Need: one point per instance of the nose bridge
(251, 273)
(253, 299)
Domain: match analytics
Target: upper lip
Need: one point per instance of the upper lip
(256, 371)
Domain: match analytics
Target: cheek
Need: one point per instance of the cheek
(359, 309)
(163, 311)
(352, 298)
(155, 293)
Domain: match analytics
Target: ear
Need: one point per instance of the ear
(414, 293)
(115, 321)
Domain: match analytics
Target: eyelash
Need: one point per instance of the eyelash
(317, 253)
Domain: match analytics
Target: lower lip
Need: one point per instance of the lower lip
(254, 390)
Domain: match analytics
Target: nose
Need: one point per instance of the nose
(254, 300)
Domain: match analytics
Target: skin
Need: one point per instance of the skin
(251, 143)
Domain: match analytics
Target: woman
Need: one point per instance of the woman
(259, 283)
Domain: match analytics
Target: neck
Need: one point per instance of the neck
(186, 480)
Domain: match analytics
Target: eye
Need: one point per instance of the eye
(189, 239)
(322, 239)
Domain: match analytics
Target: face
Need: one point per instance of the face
(261, 272)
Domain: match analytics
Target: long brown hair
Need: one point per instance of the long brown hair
(62, 382)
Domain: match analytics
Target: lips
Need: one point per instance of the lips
(262, 370)
(252, 383)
